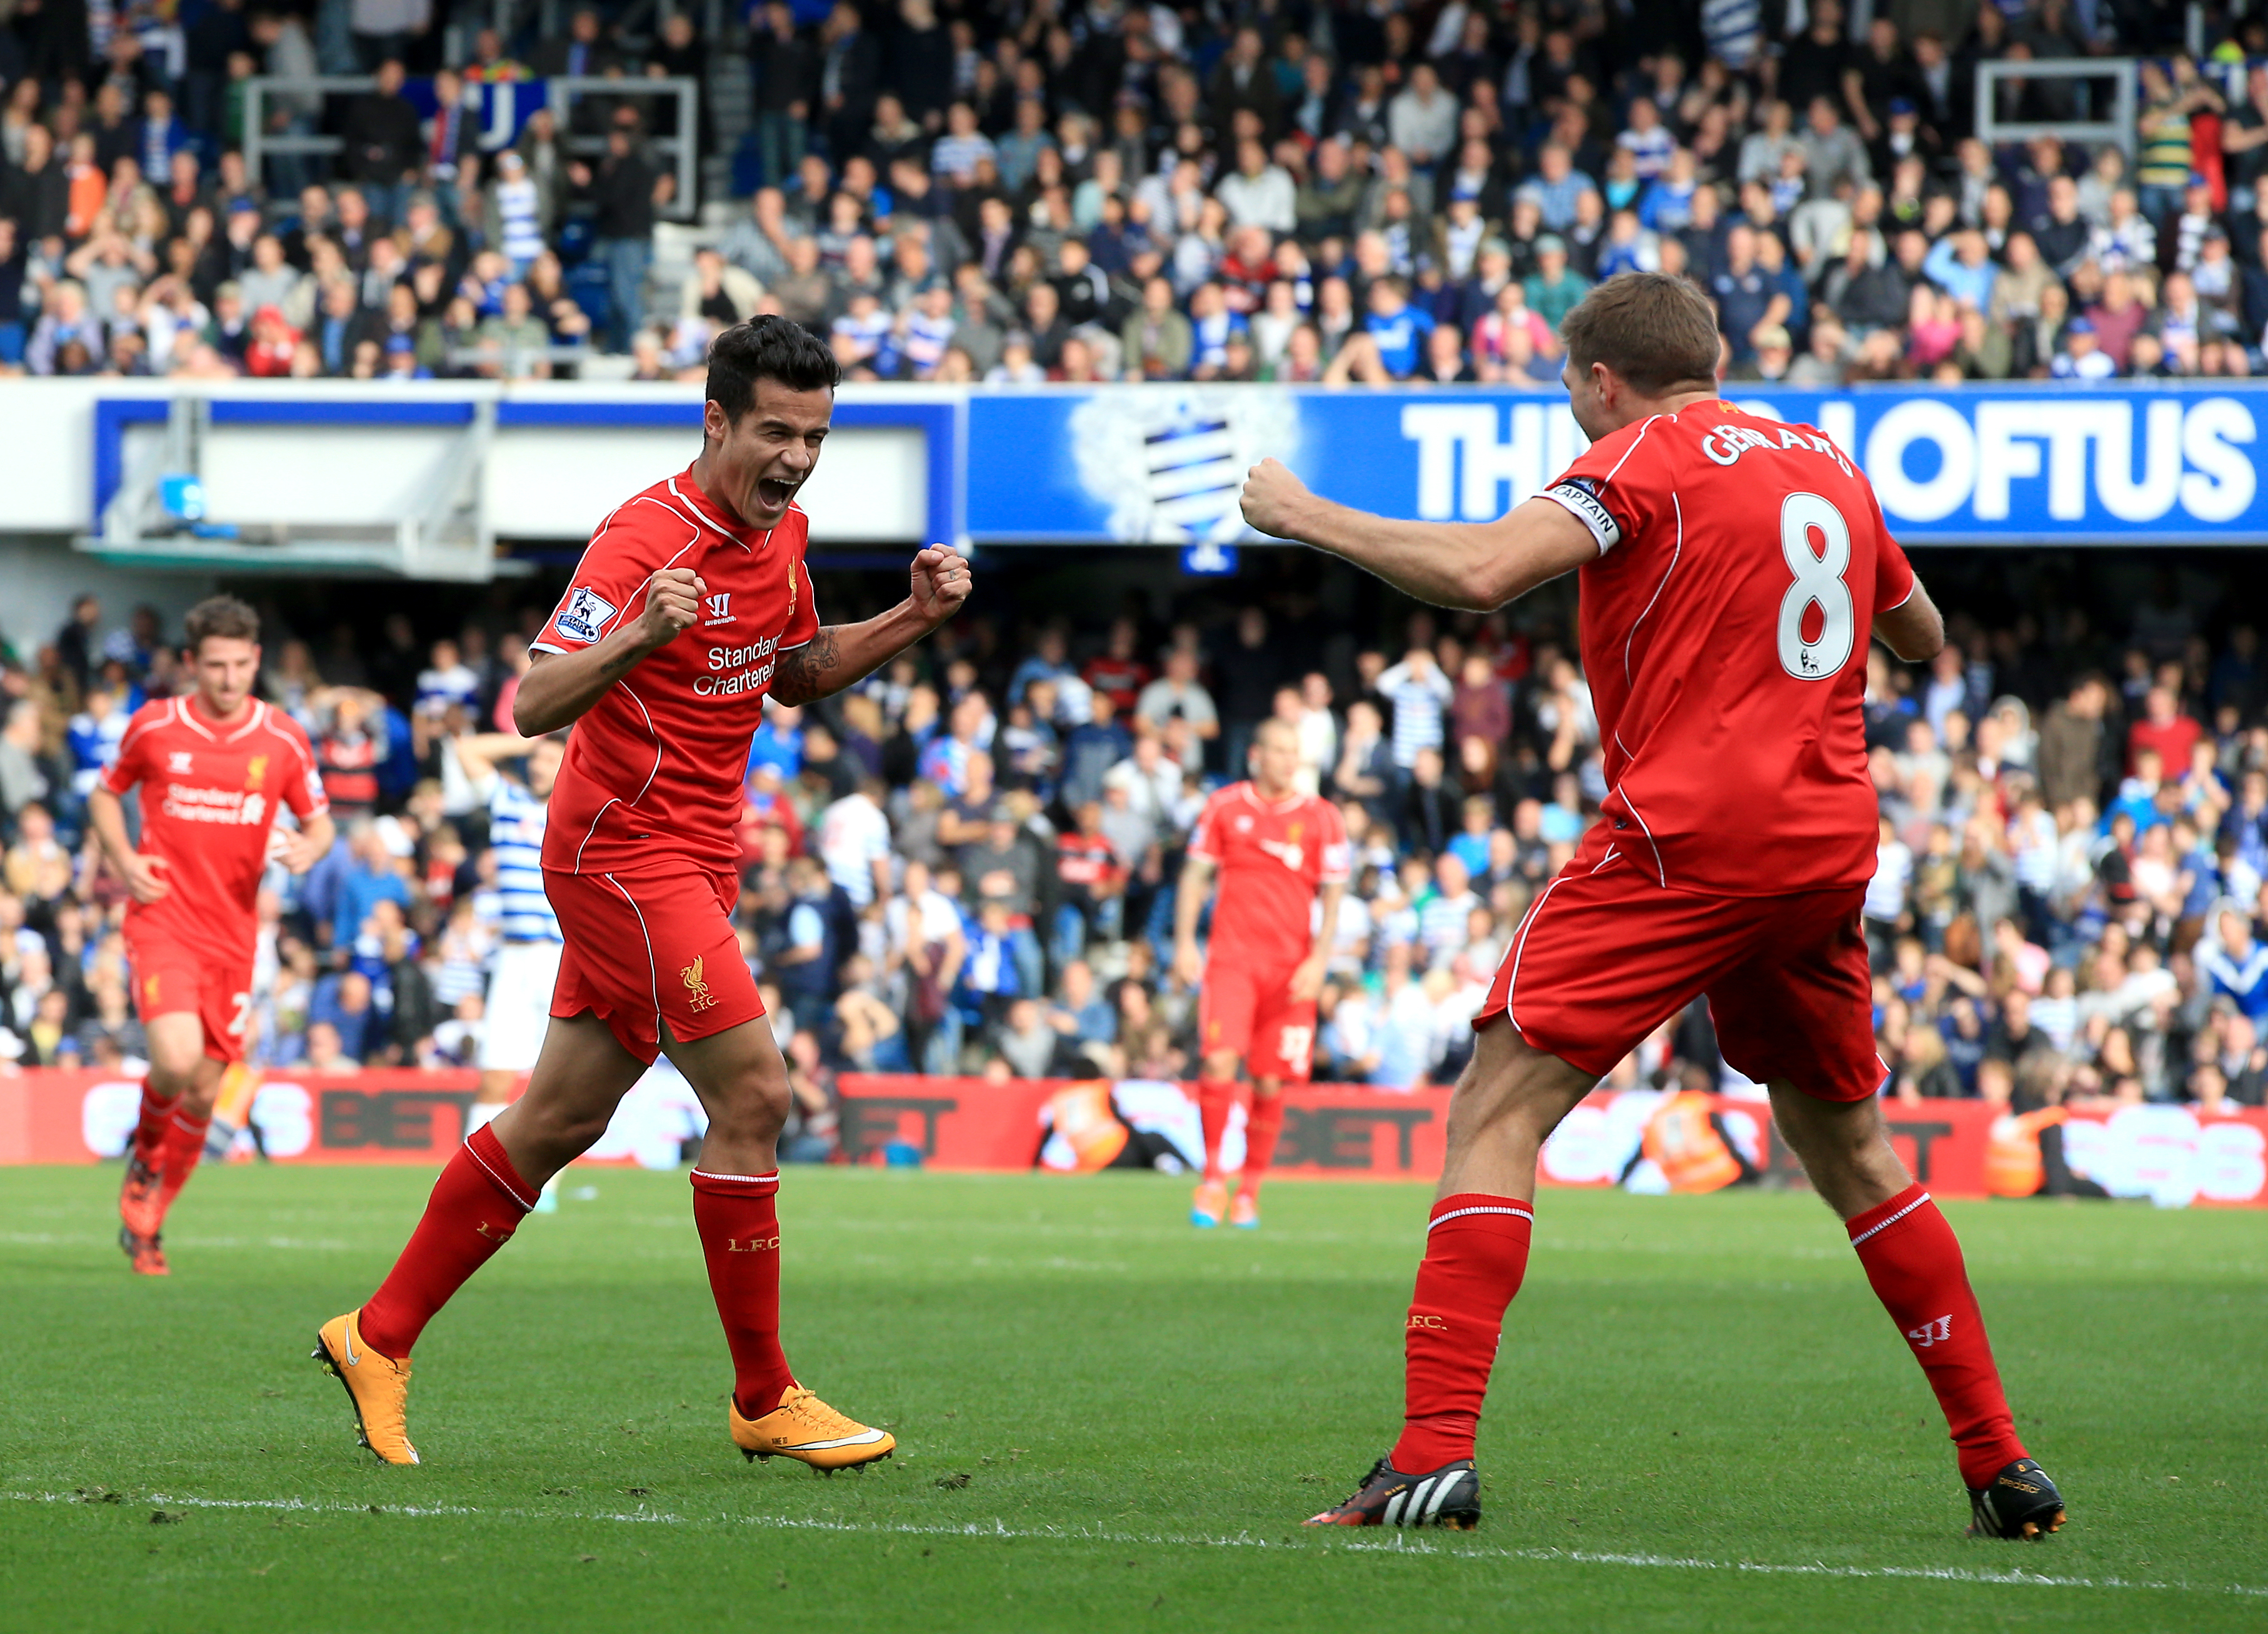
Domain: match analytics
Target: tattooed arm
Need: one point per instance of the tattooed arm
(843, 655)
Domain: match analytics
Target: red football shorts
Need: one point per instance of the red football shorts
(1606, 955)
(651, 947)
(171, 976)
(1253, 1013)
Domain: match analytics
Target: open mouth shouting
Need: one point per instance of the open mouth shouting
(774, 492)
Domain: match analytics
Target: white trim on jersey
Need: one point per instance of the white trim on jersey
(1658, 866)
(653, 974)
(1629, 640)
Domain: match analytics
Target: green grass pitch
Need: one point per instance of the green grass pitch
(1700, 1418)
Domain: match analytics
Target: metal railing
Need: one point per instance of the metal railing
(2119, 127)
(681, 148)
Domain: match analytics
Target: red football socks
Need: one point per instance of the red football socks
(737, 1218)
(477, 1205)
(1215, 1097)
(150, 1131)
(1913, 1260)
(1261, 1125)
(184, 1143)
(1475, 1255)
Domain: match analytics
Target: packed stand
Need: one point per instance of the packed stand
(967, 866)
(1100, 191)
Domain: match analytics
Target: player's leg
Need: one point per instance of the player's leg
(1511, 1097)
(1217, 1096)
(511, 1037)
(1801, 1021)
(483, 1193)
(1914, 1263)
(1509, 1100)
(742, 1084)
(1602, 957)
(193, 1017)
(743, 1087)
(1282, 1049)
(1226, 1008)
(1263, 1122)
(713, 1025)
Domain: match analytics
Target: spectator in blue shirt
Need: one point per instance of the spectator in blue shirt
(93, 735)
(778, 741)
(344, 1003)
(1556, 186)
(1746, 300)
(1397, 329)
(2236, 964)
(1091, 750)
(371, 878)
(1962, 265)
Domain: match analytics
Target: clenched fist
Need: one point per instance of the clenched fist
(942, 583)
(1272, 497)
(673, 603)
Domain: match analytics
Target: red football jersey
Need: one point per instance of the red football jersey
(1725, 627)
(209, 794)
(655, 769)
(1271, 861)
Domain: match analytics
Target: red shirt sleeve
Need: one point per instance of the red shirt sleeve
(1201, 832)
(609, 582)
(1619, 487)
(1338, 856)
(302, 792)
(130, 767)
(1894, 575)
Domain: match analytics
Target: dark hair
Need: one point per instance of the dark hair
(767, 348)
(219, 616)
(1653, 330)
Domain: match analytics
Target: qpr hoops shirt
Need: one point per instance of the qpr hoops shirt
(1725, 627)
(653, 770)
(1272, 861)
(210, 795)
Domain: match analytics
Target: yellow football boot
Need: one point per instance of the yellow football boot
(377, 1386)
(1208, 1203)
(807, 1429)
(1244, 1211)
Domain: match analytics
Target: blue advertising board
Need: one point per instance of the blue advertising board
(2029, 464)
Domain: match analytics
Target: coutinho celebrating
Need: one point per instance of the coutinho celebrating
(1275, 850)
(214, 768)
(690, 604)
(1731, 568)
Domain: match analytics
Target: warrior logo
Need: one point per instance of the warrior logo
(1930, 1333)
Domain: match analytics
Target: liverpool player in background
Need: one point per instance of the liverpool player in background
(214, 768)
(690, 604)
(1732, 568)
(1275, 851)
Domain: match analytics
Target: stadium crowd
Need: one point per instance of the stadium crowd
(967, 863)
(1052, 191)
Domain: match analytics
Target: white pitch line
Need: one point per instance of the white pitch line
(1399, 1543)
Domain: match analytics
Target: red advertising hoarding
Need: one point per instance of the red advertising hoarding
(1331, 1131)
